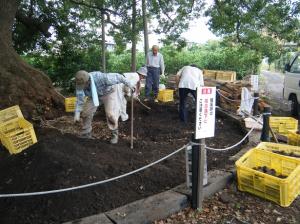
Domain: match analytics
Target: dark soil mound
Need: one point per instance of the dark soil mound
(64, 160)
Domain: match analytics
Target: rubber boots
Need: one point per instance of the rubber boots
(86, 135)
(115, 137)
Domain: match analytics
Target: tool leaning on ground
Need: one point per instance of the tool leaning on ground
(139, 100)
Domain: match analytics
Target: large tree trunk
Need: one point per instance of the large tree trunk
(21, 84)
(145, 22)
(134, 37)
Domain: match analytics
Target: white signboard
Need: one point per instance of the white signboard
(205, 112)
(254, 82)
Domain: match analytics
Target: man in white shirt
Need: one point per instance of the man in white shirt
(188, 79)
(156, 67)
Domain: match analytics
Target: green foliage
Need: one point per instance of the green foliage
(260, 25)
(174, 16)
(121, 62)
(61, 67)
(215, 55)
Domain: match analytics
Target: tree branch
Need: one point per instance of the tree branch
(33, 24)
(108, 20)
(95, 7)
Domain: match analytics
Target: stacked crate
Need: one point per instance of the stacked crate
(223, 76)
(272, 170)
(16, 133)
(264, 172)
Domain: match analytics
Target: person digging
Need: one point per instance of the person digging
(99, 88)
(188, 79)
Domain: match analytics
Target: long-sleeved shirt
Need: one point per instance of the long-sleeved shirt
(104, 85)
(190, 77)
(156, 61)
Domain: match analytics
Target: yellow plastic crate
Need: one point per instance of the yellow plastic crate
(17, 135)
(293, 138)
(282, 191)
(227, 76)
(70, 104)
(282, 125)
(165, 95)
(275, 147)
(210, 74)
(10, 114)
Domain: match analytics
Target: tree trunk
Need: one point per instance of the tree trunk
(134, 34)
(145, 21)
(103, 42)
(21, 84)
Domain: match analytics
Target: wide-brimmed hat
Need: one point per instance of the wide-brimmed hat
(142, 71)
(81, 79)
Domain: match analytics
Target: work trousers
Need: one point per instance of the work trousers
(183, 93)
(111, 110)
(152, 81)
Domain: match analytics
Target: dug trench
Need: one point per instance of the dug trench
(60, 159)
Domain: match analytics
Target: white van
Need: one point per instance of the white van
(291, 90)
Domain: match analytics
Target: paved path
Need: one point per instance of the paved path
(271, 85)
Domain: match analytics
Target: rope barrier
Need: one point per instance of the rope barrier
(230, 147)
(252, 98)
(120, 176)
(94, 183)
(227, 148)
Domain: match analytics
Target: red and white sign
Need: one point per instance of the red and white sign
(205, 112)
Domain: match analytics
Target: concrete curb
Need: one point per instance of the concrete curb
(158, 206)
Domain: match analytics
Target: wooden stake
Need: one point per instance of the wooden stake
(131, 137)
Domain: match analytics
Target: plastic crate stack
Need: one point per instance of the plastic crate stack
(16, 133)
(271, 171)
(288, 127)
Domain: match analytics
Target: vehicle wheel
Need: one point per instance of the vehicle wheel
(295, 106)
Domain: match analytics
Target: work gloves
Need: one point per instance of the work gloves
(76, 117)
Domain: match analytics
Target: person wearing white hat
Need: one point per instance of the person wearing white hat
(101, 88)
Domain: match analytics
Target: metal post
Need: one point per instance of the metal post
(255, 104)
(199, 173)
(266, 125)
(195, 164)
(201, 167)
(217, 96)
(131, 137)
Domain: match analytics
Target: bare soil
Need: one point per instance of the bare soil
(60, 159)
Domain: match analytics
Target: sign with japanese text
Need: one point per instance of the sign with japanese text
(254, 82)
(205, 112)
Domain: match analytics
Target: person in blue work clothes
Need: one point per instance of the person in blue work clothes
(155, 66)
(100, 88)
(188, 79)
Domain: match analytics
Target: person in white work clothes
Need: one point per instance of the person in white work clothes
(188, 79)
(155, 67)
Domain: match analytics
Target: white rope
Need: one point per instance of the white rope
(94, 183)
(233, 146)
(227, 148)
(218, 91)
